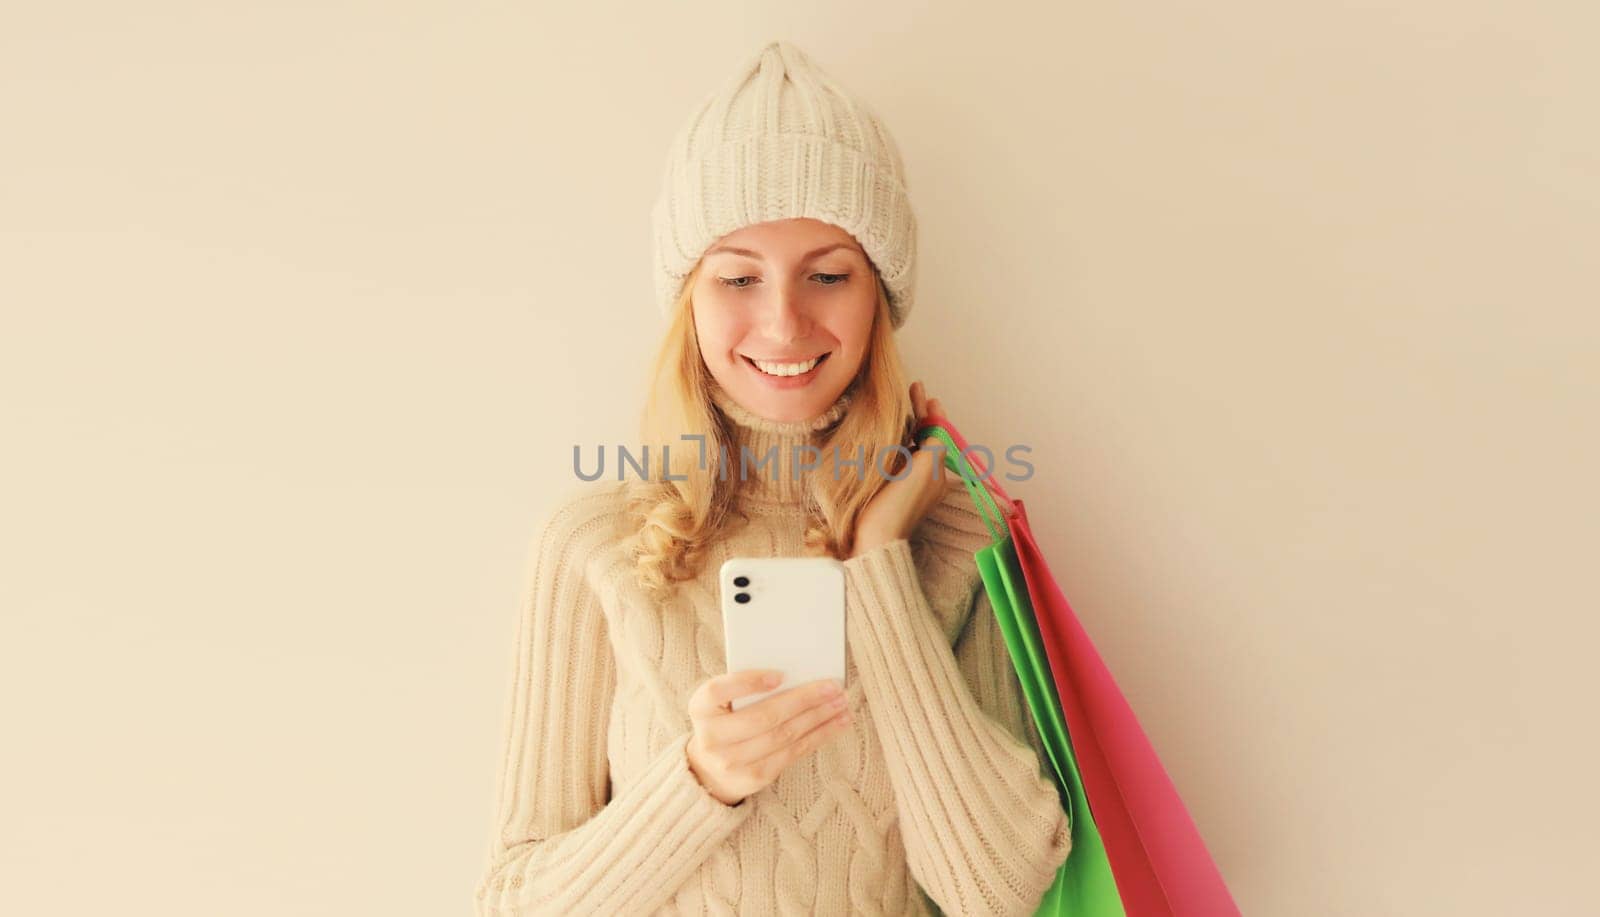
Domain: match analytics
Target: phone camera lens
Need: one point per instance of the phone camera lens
(741, 581)
(741, 597)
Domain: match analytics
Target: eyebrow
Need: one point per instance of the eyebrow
(750, 254)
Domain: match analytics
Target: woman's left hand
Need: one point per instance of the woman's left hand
(897, 509)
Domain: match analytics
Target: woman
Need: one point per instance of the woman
(784, 261)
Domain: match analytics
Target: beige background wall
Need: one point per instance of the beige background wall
(306, 304)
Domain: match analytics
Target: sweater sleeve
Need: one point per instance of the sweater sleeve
(562, 842)
(986, 666)
(983, 825)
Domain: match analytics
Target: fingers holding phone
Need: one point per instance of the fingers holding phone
(736, 753)
(783, 616)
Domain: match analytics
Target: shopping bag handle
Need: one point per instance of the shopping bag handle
(986, 478)
(993, 518)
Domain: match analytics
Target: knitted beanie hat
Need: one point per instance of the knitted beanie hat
(782, 140)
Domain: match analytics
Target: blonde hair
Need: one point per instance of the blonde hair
(680, 519)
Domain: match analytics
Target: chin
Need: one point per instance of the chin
(789, 407)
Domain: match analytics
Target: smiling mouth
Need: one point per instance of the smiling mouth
(787, 368)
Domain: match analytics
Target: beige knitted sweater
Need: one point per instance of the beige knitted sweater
(936, 788)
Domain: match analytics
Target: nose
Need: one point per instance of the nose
(786, 318)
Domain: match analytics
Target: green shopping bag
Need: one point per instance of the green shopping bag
(1084, 885)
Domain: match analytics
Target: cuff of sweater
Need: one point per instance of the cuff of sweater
(683, 793)
(668, 832)
(636, 852)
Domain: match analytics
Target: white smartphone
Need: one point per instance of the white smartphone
(784, 613)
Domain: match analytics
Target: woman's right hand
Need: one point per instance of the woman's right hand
(735, 753)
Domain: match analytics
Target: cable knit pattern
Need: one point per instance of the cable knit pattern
(935, 795)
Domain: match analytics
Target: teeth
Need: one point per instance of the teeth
(786, 369)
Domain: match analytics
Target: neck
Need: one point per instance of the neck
(774, 448)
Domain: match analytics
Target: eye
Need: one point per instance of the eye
(829, 280)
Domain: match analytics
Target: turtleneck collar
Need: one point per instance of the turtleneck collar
(762, 437)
